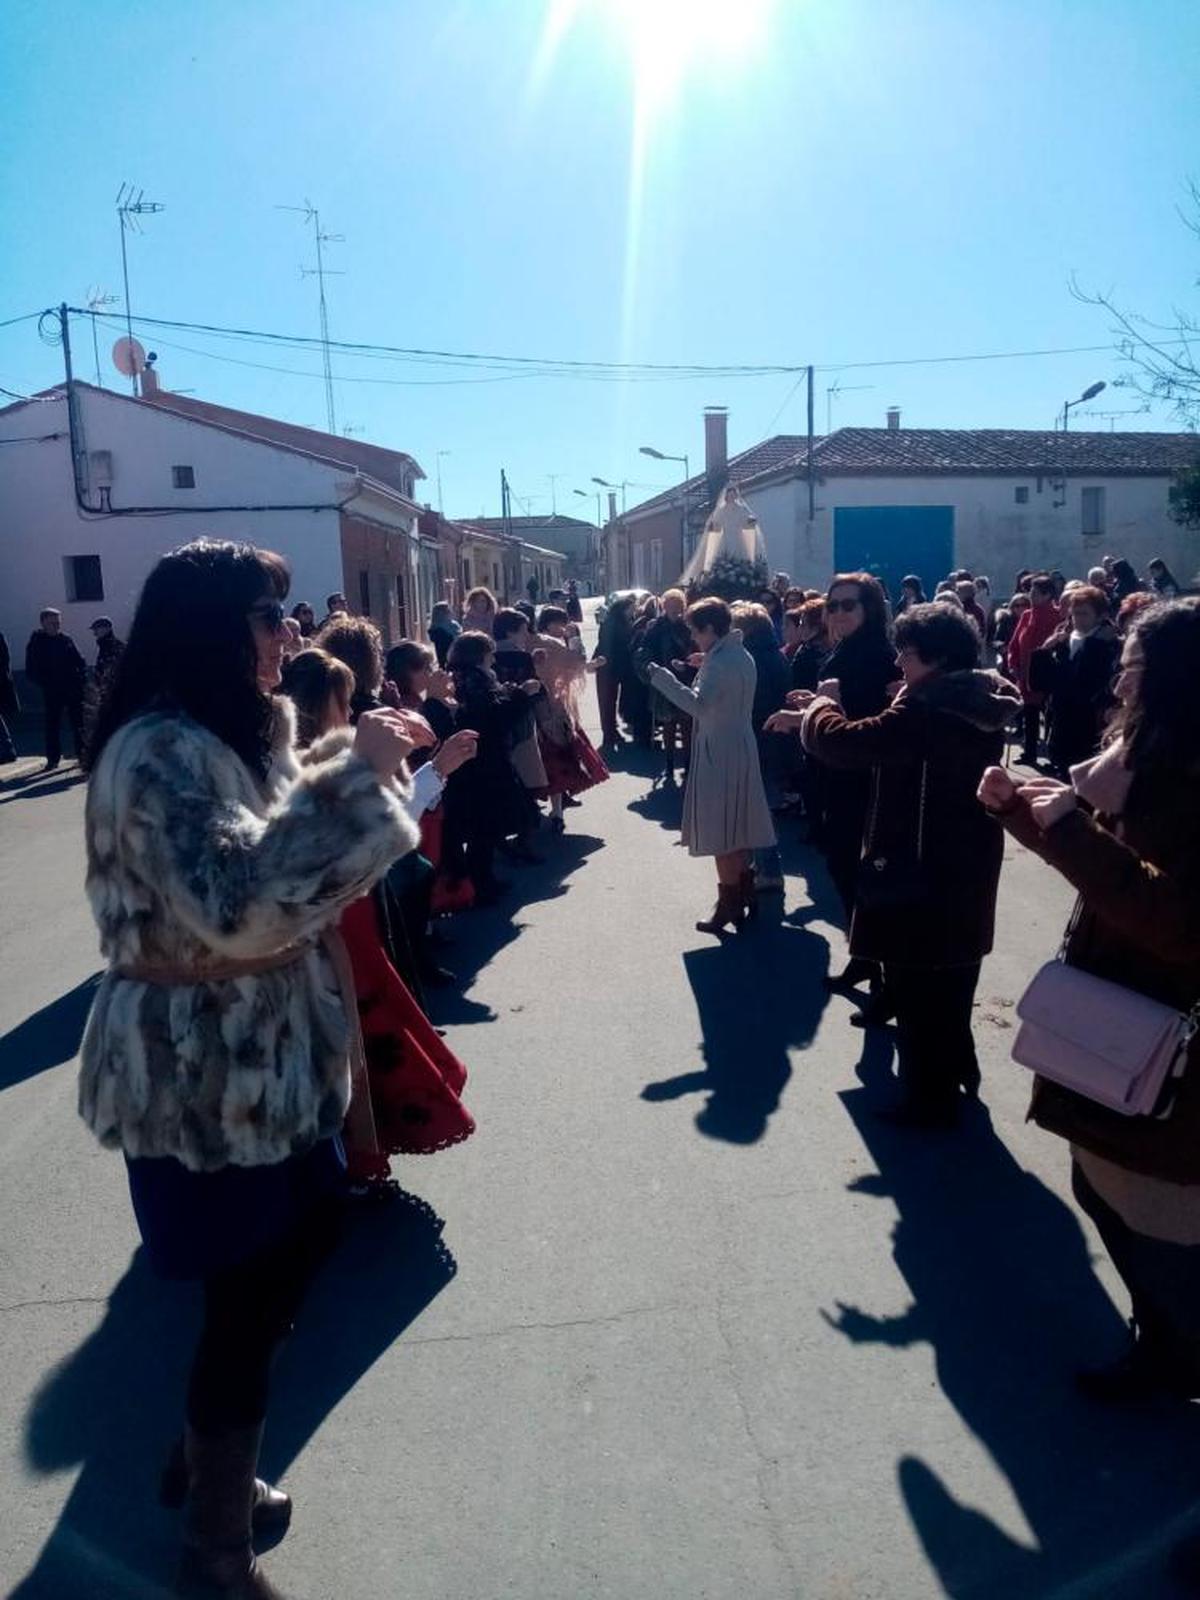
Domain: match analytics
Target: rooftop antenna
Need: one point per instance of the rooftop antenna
(836, 388)
(320, 272)
(132, 205)
(99, 300)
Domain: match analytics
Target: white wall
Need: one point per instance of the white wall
(992, 533)
(40, 523)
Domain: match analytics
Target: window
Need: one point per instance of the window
(364, 593)
(401, 606)
(639, 566)
(183, 477)
(83, 578)
(1091, 506)
(656, 564)
(1021, 494)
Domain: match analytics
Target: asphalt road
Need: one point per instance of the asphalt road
(682, 1320)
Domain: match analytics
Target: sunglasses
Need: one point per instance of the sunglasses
(270, 613)
(842, 605)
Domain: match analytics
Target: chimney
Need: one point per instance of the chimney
(149, 380)
(716, 446)
(893, 419)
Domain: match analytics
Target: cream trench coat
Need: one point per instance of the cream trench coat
(724, 806)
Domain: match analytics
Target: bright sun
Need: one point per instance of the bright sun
(665, 39)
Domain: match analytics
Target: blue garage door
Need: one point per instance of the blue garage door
(891, 541)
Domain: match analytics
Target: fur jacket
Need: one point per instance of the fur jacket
(191, 860)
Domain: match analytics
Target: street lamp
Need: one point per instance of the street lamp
(623, 485)
(661, 455)
(594, 564)
(440, 454)
(1089, 393)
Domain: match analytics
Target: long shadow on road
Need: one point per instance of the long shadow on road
(479, 936)
(759, 996)
(112, 1408)
(47, 1038)
(1004, 1293)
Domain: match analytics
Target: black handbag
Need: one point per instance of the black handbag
(892, 882)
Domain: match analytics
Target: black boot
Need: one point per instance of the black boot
(270, 1508)
(218, 1560)
(1144, 1373)
(857, 970)
(730, 912)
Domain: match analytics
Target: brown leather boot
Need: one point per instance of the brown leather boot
(730, 911)
(218, 1561)
(270, 1508)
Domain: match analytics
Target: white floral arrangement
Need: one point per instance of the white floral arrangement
(732, 578)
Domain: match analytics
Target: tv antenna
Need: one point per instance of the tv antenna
(320, 272)
(836, 388)
(99, 300)
(132, 206)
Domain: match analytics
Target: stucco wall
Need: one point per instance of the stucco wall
(40, 524)
(992, 532)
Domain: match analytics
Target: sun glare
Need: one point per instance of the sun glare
(666, 42)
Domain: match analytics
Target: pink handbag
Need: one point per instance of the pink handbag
(1107, 1043)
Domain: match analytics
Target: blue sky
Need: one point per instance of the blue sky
(849, 181)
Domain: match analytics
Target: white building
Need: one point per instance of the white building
(897, 500)
(154, 472)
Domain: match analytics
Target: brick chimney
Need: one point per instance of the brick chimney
(716, 446)
(893, 419)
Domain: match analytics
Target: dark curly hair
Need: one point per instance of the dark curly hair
(191, 647)
(357, 642)
(943, 636)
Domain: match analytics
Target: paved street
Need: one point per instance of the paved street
(682, 1320)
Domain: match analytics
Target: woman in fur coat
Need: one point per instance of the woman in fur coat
(215, 1056)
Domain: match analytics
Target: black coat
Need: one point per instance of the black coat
(947, 729)
(10, 703)
(864, 664)
(807, 660)
(485, 798)
(773, 677)
(55, 665)
(1080, 694)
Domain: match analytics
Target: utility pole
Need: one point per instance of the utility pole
(131, 205)
(553, 477)
(811, 491)
(73, 421)
(320, 272)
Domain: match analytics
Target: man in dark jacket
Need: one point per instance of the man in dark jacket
(109, 650)
(55, 665)
(9, 704)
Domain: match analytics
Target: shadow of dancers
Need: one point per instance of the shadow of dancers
(1004, 1293)
(114, 1406)
(759, 995)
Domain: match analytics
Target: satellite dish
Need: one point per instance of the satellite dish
(129, 357)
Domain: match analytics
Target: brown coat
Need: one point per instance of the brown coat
(950, 726)
(1138, 924)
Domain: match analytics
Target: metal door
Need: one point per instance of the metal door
(892, 541)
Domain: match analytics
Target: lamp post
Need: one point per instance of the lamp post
(594, 564)
(623, 485)
(440, 454)
(1089, 393)
(661, 455)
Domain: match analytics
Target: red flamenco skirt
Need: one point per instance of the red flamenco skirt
(573, 767)
(415, 1078)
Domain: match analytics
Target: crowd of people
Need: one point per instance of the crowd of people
(887, 729)
(278, 808)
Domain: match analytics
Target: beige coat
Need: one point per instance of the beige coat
(724, 806)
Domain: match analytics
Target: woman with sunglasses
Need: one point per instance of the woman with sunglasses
(862, 663)
(215, 1057)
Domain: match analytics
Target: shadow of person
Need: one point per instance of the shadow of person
(1004, 1293)
(759, 996)
(661, 804)
(47, 1038)
(479, 936)
(34, 785)
(113, 1407)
